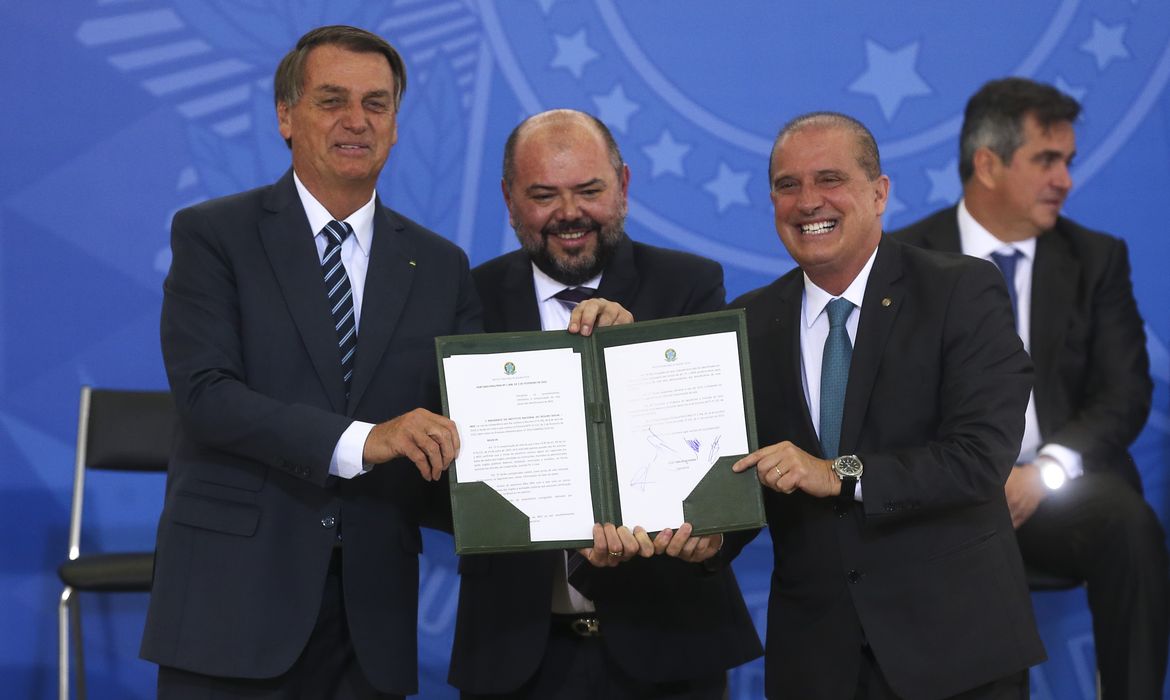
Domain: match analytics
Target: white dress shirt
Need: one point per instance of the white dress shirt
(554, 316)
(355, 256)
(978, 242)
(814, 331)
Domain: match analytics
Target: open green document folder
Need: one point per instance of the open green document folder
(662, 408)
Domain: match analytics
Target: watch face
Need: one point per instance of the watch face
(847, 466)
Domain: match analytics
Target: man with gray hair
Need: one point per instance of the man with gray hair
(1074, 494)
(298, 328)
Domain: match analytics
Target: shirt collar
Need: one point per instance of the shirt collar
(361, 220)
(978, 242)
(547, 287)
(816, 299)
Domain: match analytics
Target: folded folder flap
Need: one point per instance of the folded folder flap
(485, 521)
(725, 500)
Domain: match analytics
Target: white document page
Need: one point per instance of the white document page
(676, 406)
(521, 421)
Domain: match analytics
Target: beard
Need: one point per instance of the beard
(575, 267)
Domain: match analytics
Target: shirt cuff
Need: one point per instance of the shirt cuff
(347, 454)
(857, 491)
(1069, 460)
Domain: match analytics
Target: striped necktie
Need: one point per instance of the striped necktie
(340, 296)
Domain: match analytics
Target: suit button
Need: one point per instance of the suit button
(840, 510)
(855, 576)
(328, 521)
(890, 507)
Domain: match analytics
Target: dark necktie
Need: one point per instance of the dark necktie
(1007, 265)
(834, 375)
(569, 298)
(340, 296)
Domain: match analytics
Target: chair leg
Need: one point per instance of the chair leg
(78, 649)
(69, 637)
(64, 612)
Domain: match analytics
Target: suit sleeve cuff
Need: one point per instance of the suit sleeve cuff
(1069, 460)
(347, 454)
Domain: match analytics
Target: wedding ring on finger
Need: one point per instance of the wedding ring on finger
(779, 474)
(614, 554)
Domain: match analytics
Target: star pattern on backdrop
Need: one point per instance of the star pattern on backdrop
(728, 187)
(1106, 44)
(890, 76)
(573, 53)
(944, 183)
(666, 155)
(615, 109)
(545, 5)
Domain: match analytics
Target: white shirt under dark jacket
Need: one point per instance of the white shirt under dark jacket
(554, 316)
(814, 331)
(978, 242)
(355, 256)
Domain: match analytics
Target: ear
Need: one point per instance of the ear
(881, 193)
(988, 166)
(625, 183)
(284, 119)
(507, 201)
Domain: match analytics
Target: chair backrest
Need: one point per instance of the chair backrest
(119, 430)
(127, 430)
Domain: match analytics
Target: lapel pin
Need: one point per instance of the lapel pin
(886, 301)
(412, 264)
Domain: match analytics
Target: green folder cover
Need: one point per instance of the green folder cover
(722, 501)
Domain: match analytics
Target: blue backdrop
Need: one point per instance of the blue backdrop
(122, 111)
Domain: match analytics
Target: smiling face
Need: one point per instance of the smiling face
(1025, 194)
(343, 126)
(566, 201)
(828, 211)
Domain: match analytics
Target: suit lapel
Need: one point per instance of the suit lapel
(388, 279)
(1054, 278)
(943, 235)
(620, 281)
(779, 371)
(288, 242)
(518, 295)
(883, 299)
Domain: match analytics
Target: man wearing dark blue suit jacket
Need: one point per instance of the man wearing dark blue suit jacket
(1075, 493)
(896, 571)
(622, 626)
(256, 592)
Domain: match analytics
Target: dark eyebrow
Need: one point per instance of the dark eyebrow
(538, 187)
(332, 89)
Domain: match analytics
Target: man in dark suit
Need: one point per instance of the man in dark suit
(298, 330)
(1075, 494)
(621, 626)
(890, 390)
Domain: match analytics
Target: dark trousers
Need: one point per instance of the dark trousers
(327, 668)
(872, 685)
(578, 668)
(1099, 529)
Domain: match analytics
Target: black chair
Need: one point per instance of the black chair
(120, 431)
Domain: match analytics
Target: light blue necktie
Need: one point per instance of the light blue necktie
(834, 375)
(1007, 265)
